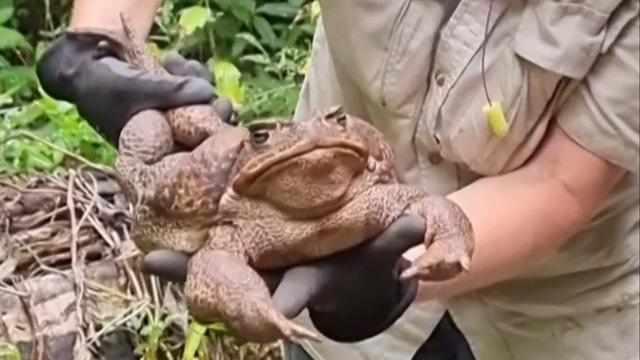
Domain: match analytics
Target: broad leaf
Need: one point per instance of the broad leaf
(6, 10)
(226, 26)
(296, 3)
(256, 59)
(237, 48)
(17, 76)
(11, 39)
(278, 9)
(315, 10)
(244, 10)
(248, 37)
(265, 31)
(193, 17)
(225, 5)
(227, 78)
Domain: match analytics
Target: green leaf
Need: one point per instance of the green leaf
(310, 29)
(26, 115)
(31, 158)
(218, 327)
(265, 31)
(226, 26)
(227, 78)
(225, 5)
(296, 3)
(243, 10)
(315, 10)
(17, 76)
(278, 9)
(194, 337)
(256, 58)
(41, 47)
(248, 37)
(11, 39)
(237, 48)
(9, 352)
(6, 10)
(193, 18)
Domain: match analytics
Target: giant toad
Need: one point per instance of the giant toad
(301, 191)
(274, 195)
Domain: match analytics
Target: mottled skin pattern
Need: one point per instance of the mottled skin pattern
(175, 194)
(270, 196)
(303, 191)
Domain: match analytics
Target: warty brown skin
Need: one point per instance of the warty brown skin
(172, 165)
(270, 196)
(304, 191)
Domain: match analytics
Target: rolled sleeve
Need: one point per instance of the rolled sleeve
(602, 115)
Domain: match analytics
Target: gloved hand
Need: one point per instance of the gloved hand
(84, 69)
(351, 296)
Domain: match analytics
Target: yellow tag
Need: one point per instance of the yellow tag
(497, 120)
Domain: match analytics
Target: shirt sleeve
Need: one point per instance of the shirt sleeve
(602, 115)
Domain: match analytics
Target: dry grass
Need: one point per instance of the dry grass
(69, 231)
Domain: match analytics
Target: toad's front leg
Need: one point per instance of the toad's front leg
(221, 286)
(449, 239)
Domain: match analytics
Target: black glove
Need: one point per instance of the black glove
(84, 69)
(351, 296)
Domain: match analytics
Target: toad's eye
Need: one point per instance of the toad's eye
(342, 120)
(259, 136)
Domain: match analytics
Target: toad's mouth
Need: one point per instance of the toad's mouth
(256, 167)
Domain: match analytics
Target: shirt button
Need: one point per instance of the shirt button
(440, 78)
(434, 158)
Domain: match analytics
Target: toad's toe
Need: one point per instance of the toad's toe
(439, 262)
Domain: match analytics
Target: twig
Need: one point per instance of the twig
(108, 290)
(119, 320)
(80, 347)
(39, 350)
(40, 262)
(10, 291)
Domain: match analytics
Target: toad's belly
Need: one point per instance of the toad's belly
(270, 239)
(300, 244)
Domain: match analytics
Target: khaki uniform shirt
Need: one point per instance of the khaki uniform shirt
(413, 68)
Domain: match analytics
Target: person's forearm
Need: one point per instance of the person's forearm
(522, 217)
(106, 14)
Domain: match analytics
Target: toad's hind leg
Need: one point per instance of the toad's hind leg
(221, 286)
(146, 137)
(144, 140)
(449, 239)
(191, 125)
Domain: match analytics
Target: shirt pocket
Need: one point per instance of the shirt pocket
(564, 37)
(553, 46)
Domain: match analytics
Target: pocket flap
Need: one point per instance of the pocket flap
(562, 37)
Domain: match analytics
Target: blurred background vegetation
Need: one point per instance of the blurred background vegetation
(258, 50)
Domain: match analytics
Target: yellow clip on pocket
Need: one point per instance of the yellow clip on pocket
(496, 118)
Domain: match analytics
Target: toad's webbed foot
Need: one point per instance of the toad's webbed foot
(449, 240)
(222, 287)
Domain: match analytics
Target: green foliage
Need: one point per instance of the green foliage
(57, 122)
(257, 49)
(9, 351)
